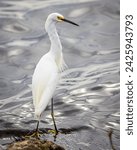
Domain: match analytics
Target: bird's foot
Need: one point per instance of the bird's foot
(52, 131)
(35, 134)
(55, 132)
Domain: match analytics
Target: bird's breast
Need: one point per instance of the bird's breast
(46, 72)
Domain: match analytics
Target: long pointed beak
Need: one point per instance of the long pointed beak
(69, 22)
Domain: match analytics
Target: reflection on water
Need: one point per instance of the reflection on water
(88, 93)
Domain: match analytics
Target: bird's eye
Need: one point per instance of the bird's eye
(59, 18)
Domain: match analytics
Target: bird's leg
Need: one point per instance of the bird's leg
(52, 114)
(37, 127)
(35, 134)
(37, 130)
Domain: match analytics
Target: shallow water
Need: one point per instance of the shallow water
(87, 98)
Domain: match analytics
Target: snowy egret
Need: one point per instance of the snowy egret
(47, 71)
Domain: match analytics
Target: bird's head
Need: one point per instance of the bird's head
(56, 17)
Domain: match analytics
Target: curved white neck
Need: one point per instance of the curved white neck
(56, 47)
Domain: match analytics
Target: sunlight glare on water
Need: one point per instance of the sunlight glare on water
(87, 97)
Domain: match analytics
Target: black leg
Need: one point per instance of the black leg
(36, 133)
(37, 127)
(52, 114)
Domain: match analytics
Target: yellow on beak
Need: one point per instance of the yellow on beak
(61, 18)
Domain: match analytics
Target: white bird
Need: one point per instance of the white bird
(47, 72)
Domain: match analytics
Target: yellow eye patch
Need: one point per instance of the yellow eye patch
(60, 18)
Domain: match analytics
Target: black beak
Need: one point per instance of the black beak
(70, 22)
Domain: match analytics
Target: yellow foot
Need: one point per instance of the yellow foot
(53, 131)
(35, 134)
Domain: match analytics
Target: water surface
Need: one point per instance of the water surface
(87, 98)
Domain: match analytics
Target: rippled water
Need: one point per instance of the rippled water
(87, 98)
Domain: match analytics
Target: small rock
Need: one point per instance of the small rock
(34, 144)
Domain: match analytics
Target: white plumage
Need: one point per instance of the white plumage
(44, 82)
(47, 71)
